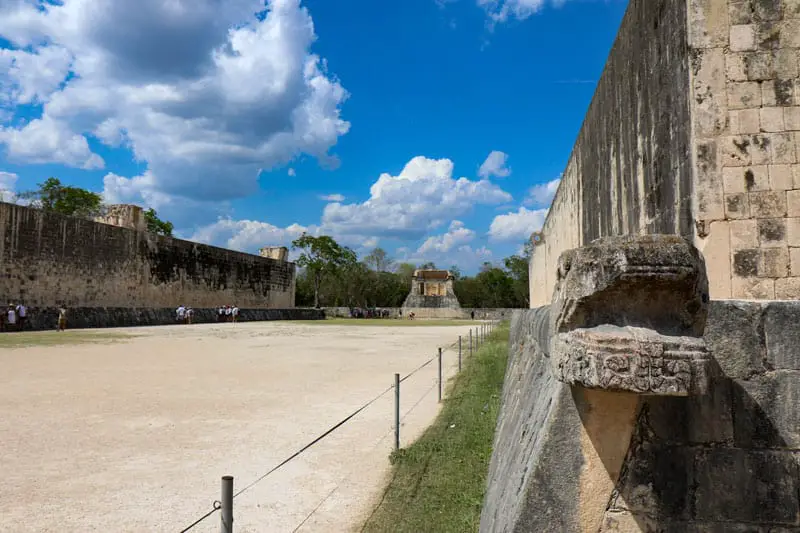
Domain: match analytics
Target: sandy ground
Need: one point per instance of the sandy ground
(134, 435)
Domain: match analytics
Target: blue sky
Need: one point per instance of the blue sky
(436, 129)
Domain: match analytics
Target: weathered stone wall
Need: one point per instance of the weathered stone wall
(570, 459)
(462, 313)
(746, 147)
(694, 129)
(630, 170)
(48, 260)
(44, 318)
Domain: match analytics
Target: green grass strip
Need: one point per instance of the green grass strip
(438, 482)
(399, 322)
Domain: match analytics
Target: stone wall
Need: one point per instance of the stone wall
(46, 318)
(630, 170)
(746, 129)
(632, 404)
(48, 260)
(461, 313)
(725, 461)
(694, 129)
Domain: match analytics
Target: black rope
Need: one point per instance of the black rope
(216, 507)
(315, 441)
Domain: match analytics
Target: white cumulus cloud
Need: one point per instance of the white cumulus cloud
(456, 236)
(496, 164)
(542, 195)
(205, 92)
(8, 183)
(247, 235)
(517, 225)
(332, 197)
(422, 197)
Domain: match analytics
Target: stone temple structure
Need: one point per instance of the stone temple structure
(432, 289)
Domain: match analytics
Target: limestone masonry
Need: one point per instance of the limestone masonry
(633, 404)
(48, 259)
(694, 130)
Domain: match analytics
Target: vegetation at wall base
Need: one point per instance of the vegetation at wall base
(438, 482)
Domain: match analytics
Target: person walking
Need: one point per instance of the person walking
(11, 317)
(22, 315)
(228, 312)
(62, 319)
(235, 313)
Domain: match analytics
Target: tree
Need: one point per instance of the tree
(456, 272)
(156, 225)
(321, 257)
(378, 260)
(517, 267)
(428, 266)
(72, 201)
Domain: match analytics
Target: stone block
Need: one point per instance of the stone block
(714, 30)
(782, 334)
(737, 206)
(766, 411)
(789, 33)
(749, 288)
(705, 419)
(796, 176)
(656, 481)
(735, 68)
(794, 261)
(716, 250)
(735, 151)
(773, 262)
(759, 66)
(781, 177)
(740, 12)
(781, 147)
(745, 121)
(765, 10)
(768, 34)
(791, 117)
(772, 119)
(744, 234)
(735, 337)
(778, 92)
(785, 64)
(793, 231)
(789, 288)
(743, 37)
(745, 263)
(763, 485)
(744, 94)
(793, 203)
(756, 178)
(768, 204)
(791, 9)
(772, 232)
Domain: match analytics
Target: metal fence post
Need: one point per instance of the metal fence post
(226, 505)
(397, 411)
(440, 375)
(459, 353)
(470, 342)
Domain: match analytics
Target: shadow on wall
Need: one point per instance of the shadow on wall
(694, 462)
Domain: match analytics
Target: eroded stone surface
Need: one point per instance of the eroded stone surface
(628, 314)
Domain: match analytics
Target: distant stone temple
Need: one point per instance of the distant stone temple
(432, 288)
(279, 253)
(124, 216)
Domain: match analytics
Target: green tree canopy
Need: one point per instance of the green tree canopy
(72, 201)
(378, 260)
(156, 225)
(321, 257)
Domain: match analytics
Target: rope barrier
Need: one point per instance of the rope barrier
(217, 504)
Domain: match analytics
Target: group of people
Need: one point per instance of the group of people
(225, 313)
(14, 317)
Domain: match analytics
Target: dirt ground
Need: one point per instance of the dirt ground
(134, 435)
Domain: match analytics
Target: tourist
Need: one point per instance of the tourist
(62, 319)
(221, 313)
(228, 312)
(189, 315)
(180, 313)
(22, 315)
(11, 317)
(235, 313)
(472, 315)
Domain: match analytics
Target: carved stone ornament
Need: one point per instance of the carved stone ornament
(628, 314)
